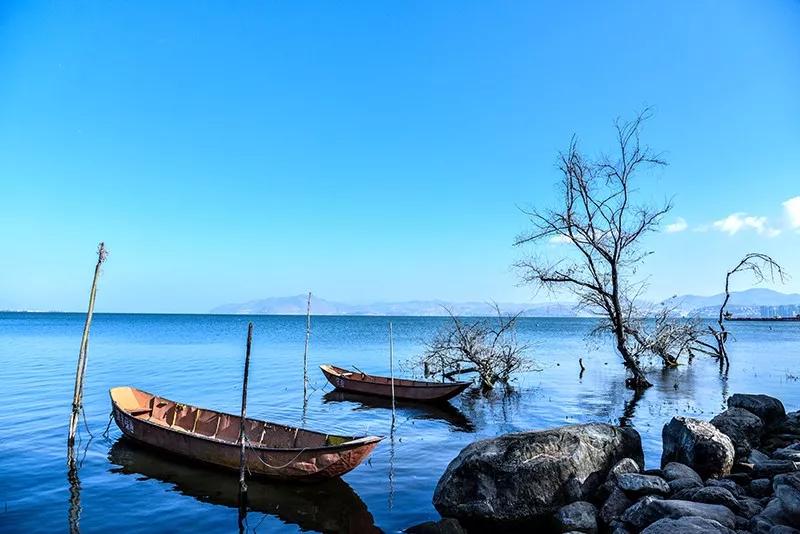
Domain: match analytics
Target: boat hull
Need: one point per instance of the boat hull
(301, 464)
(411, 390)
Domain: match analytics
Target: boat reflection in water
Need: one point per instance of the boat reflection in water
(327, 506)
(416, 410)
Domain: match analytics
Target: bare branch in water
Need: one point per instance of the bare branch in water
(488, 347)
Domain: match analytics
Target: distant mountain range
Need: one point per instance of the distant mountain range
(296, 305)
(751, 302)
(755, 302)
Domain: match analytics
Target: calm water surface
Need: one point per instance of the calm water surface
(197, 359)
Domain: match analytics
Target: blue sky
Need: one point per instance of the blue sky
(375, 151)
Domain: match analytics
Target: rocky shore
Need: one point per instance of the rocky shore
(738, 473)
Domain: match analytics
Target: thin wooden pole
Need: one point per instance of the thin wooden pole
(391, 366)
(305, 352)
(242, 484)
(77, 396)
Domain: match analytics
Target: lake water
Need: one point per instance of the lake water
(197, 359)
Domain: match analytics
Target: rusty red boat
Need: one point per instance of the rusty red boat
(413, 390)
(212, 437)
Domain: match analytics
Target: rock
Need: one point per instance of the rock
(787, 453)
(683, 483)
(760, 487)
(781, 529)
(653, 472)
(728, 484)
(675, 470)
(697, 444)
(637, 485)
(742, 479)
(618, 527)
(626, 465)
(771, 468)
(787, 491)
(772, 515)
(742, 523)
(757, 457)
(749, 507)
(579, 516)
(522, 476)
(716, 495)
(769, 409)
(615, 506)
(605, 490)
(685, 494)
(743, 427)
(687, 525)
(651, 509)
(445, 526)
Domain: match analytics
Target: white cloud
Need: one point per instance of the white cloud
(736, 222)
(679, 225)
(560, 239)
(792, 210)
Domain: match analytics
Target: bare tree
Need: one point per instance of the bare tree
(603, 226)
(487, 347)
(762, 267)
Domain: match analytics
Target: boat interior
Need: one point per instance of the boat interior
(359, 375)
(215, 425)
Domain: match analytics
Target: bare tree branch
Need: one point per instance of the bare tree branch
(603, 226)
(487, 347)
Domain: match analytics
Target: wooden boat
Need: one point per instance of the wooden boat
(274, 451)
(414, 390)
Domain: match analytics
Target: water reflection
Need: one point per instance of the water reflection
(446, 412)
(330, 506)
(74, 513)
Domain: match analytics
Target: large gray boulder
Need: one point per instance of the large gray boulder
(769, 409)
(743, 427)
(697, 444)
(522, 476)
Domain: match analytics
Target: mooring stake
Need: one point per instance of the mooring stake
(305, 352)
(242, 484)
(391, 367)
(77, 397)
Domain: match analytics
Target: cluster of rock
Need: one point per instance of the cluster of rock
(738, 473)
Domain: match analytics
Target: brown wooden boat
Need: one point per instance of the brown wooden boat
(274, 451)
(414, 390)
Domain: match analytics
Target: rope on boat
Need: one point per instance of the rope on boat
(258, 456)
(108, 426)
(85, 423)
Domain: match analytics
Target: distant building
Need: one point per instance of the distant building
(786, 310)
